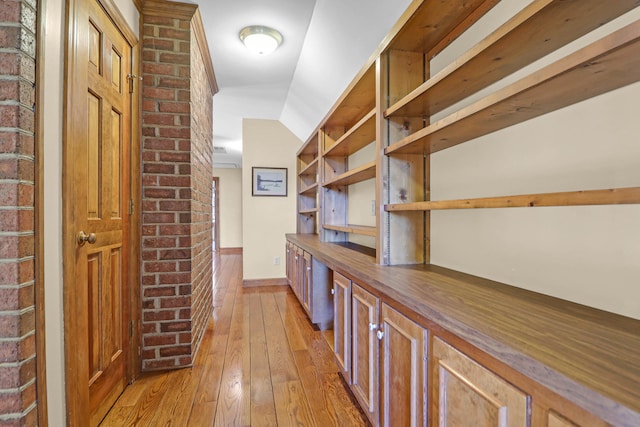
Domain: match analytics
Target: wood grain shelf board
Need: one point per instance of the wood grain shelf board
(351, 228)
(308, 211)
(355, 103)
(359, 174)
(311, 168)
(610, 63)
(359, 136)
(540, 28)
(309, 148)
(614, 196)
(435, 20)
(312, 188)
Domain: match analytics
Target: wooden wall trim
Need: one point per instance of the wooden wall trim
(254, 283)
(203, 45)
(41, 359)
(118, 19)
(169, 9)
(230, 251)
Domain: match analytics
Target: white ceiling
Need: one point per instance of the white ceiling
(326, 42)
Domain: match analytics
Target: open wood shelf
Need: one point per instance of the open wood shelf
(351, 228)
(310, 148)
(537, 30)
(308, 211)
(359, 136)
(355, 103)
(614, 196)
(311, 169)
(310, 189)
(359, 174)
(435, 23)
(608, 64)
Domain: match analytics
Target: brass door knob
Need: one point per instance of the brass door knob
(84, 237)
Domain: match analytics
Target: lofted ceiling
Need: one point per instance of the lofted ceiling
(326, 42)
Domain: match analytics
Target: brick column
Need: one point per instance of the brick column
(176, 187)
(17, 180)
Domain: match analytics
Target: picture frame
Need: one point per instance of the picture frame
(269, 181)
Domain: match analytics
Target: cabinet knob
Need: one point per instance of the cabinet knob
(333, 291)
(380, 334)
(372, 326)
(308, 268)
(296, 256)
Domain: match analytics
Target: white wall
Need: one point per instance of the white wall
(52, 13)
(230, 206)
(265, 220)
(584, 254)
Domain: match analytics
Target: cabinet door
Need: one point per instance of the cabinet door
(342, 323)
(289, 263)
(404, 368)
(299, 273)
(365, 310)
(307, 277)
(467, 394)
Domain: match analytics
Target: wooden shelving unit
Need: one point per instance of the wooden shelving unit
(352, 228)
(605, 65)
(392, 104)
(391, 101)
(537, 30)
(348, 129)
(308, 179)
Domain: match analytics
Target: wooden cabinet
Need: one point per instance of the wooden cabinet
(342, 324)
(365, 315)
(403, 400)
(460, 382)
(310, 281)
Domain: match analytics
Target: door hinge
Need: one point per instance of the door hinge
(130, 328)
(131, 207)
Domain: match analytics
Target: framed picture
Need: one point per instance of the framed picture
(269, 181)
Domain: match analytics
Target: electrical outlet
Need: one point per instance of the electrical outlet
(276, 260)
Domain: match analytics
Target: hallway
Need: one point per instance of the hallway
(260, 363)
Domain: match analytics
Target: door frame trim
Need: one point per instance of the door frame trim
(76, 386)
(216, 214)
(41, 350)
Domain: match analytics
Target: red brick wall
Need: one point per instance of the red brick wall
(177, 176)
(17, 180)
(201, 207)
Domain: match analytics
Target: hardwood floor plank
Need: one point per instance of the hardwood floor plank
(263, 410)
(321, 409)
(145, 408)
(314, 340)
(260, 363)
(234, 405)
(290, 319)
(202, 414)
(283, 368)
(343, 402)
(209, 384)
(291, 405)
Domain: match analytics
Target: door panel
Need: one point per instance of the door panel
(342, 324)
(467, 394)
(97, 187)
(364, 360)
(404, 362)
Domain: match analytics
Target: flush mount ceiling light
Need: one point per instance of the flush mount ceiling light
(261, 40)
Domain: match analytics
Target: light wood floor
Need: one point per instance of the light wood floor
(260, 363)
